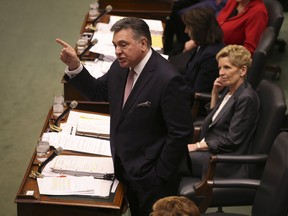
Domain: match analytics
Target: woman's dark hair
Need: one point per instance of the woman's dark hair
(204, 27)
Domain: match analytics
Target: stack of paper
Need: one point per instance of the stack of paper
(80, 143)
(71, 185)
(98, 167)
(105, 36)
(95, 126)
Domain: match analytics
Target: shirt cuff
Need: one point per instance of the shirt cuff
(73, 73)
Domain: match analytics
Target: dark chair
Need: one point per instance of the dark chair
(257, 69)
(276, 18)
(272, 112)
(272, 190)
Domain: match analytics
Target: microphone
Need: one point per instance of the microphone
(107, 10)
(73, 105)
(93, 42)
(57, 151)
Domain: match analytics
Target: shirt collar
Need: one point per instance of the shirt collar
(138, 69)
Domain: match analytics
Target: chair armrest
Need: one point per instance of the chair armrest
(234, 183)
(248, 159)
(199, 98)
(203, 96)
(205, 187)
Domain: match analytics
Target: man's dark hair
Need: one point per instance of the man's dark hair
(138, 26)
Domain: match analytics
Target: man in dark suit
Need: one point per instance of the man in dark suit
(149, 132)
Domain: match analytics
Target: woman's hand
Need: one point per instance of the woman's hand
(192, 147)
(189, 45)
(217, 86)
(199, 146)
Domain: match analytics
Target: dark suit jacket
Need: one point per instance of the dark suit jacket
(231, 131)
(149, 136)
(200, 68)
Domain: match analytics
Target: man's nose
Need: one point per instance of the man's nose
(117, 50)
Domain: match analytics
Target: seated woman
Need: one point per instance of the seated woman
(174, 26)
(232, 121)
(202, 68)
(242, 22)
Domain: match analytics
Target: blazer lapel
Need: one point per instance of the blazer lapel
(140, 84)
(144, 77)
(229, 104)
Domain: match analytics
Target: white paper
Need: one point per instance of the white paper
(98, 67)
(86, 164)
(104, 36)
(95, 124)
(80, 143)
(70, 185)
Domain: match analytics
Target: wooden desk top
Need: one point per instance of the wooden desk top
(148, 9)
(115, 201)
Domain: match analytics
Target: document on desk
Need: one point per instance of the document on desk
(105, 36)
(98, 67)
(79, 143)
(104, 45)
(98, 167)
(96, 125)
(71, 185)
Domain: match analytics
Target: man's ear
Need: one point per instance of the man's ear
(144, 42)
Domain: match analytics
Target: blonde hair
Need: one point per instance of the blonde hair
(238, 55)
(175, 206)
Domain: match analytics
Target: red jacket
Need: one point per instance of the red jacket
(244, 28)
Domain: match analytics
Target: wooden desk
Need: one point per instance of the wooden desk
(148, 9)
(35, 205)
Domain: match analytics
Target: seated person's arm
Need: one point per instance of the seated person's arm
(217, 87)
(189, 45)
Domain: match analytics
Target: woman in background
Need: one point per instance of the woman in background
(233, 119)
(175, 206)
(199, 66)
(243, 22)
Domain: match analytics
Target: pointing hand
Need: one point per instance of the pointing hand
(68, 55)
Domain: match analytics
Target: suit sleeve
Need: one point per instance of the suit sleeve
(91, 88)
(176, 113)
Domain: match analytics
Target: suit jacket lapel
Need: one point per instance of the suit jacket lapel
(142, 80)
(229, 103)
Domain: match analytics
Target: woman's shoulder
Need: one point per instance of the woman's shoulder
(249, 93)
(257, 6)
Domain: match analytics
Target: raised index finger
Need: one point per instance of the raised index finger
(63, 43)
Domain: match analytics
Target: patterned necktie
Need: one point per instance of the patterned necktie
(129, 85)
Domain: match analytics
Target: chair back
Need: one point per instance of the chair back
(275, 14)
(257, 69)
(271, 119)
(272, 194)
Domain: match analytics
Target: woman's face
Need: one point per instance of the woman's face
(189, 31)
(230, 75)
